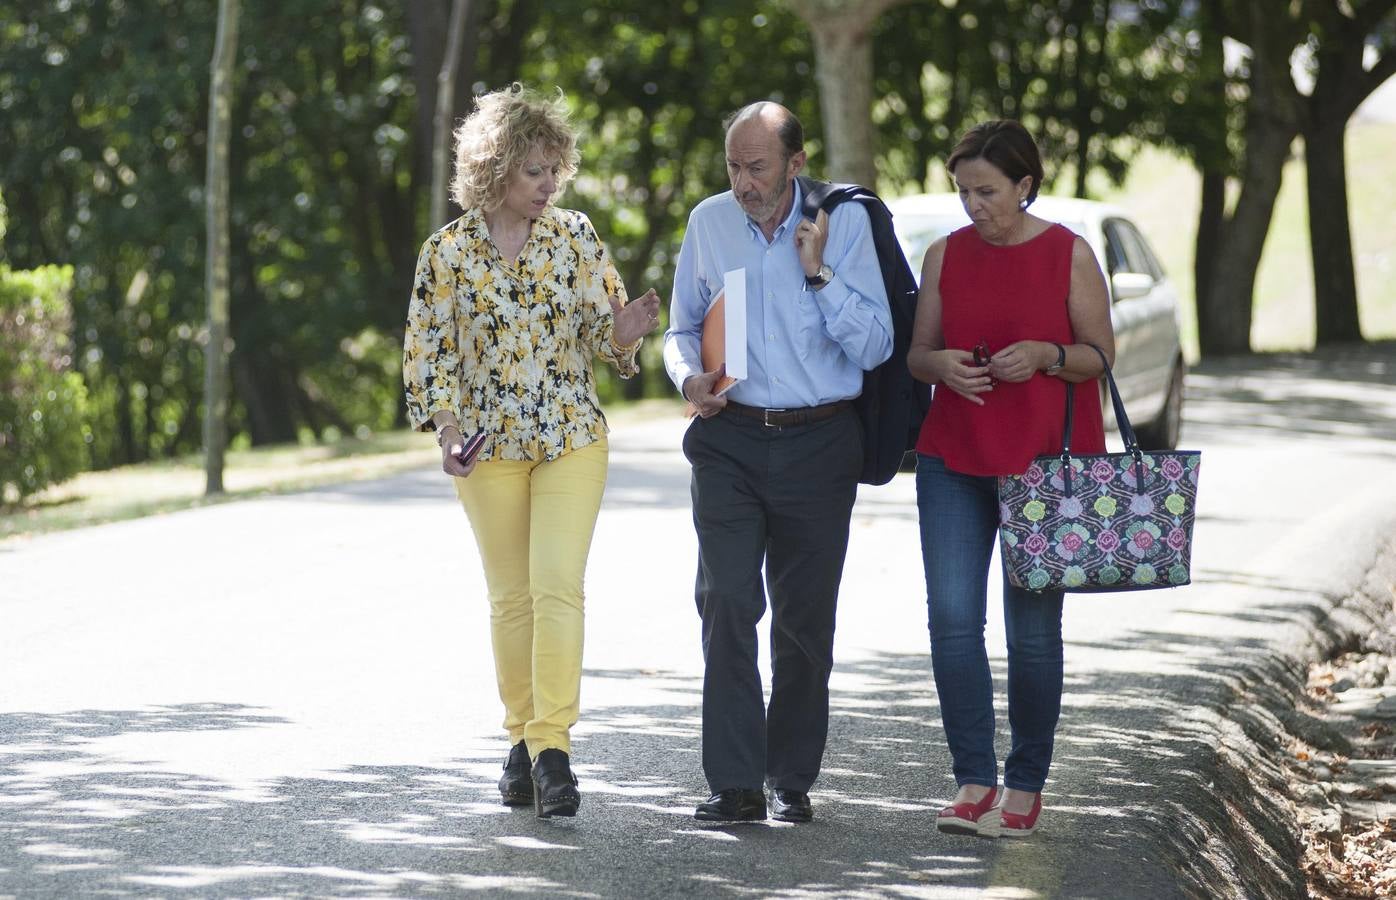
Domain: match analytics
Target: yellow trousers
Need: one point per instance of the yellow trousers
(533, 522)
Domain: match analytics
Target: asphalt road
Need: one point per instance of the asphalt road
(294, 696)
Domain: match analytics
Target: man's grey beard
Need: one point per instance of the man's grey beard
(762, 215)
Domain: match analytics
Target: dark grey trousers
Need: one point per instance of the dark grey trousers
(783, 496)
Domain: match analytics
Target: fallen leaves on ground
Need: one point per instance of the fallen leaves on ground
(1345, 859)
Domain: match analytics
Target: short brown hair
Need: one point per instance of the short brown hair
(1007, 145)
(495, 140)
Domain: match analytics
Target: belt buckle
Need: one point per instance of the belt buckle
(766, 417)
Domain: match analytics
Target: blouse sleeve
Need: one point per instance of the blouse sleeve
(431, 356)
(600, 281)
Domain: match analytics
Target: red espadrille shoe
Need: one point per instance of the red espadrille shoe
(1021, 824)
(980, 818)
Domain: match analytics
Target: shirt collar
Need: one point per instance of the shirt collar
(471, 233)
(474, 234)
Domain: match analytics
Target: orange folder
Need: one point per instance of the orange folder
(712, 347)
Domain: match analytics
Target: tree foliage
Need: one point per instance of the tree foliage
(42, 400)
(1091, 79)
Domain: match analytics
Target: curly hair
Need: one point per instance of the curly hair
(494, 141)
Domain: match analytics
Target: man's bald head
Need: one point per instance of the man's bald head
(770, 115)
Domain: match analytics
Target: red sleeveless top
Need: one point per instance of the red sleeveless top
(1000, 295)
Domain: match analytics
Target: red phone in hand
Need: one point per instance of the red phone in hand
(471, 449)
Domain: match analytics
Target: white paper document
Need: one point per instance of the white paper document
(734, 316)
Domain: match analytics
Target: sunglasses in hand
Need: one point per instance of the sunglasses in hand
(981, 356)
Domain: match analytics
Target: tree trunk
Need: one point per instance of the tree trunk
(1274, 116)
(445, 106)
(1210, 220)
(1330, 237)
(1211, 156)
(260, 373)
(426, 30)
(843, 70)
(1224, 323)
(125, 424)
(428, 33)
(265, 391)
(216, 260)
(843, 65)
(1341, 83)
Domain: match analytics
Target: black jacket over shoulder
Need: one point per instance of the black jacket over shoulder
(893, 404)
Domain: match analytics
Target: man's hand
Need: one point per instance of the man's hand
(810, 238)
(698, 390)
(635, 319)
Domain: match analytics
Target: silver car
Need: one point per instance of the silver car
(1149, 366)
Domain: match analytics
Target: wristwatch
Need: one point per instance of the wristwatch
(1056, 367)
(821, 277)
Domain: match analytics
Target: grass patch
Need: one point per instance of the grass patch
(129, 492)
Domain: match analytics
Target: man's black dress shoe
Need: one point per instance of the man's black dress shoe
(790, 806)
(554, 786)
(516, 784)
(733, 805)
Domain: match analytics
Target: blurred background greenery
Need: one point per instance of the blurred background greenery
(103, 107)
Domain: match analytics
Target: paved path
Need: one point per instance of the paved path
(293, 696)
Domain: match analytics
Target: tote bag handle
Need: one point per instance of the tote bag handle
(1121, 420)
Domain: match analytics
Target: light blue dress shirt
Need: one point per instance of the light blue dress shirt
(804, 347)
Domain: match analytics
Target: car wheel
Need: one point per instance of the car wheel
(1163, 432)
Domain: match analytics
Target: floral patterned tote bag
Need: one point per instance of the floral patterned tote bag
(1107, 522)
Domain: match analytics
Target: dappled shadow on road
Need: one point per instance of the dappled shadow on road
(1134, 806)
(1342, 390)
(77, 822)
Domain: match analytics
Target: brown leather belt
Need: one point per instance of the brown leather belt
(780, 418)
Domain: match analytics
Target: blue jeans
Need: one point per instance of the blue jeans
(959, 525)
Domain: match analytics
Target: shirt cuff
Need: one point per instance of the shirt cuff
(681, 372)
(832, 296)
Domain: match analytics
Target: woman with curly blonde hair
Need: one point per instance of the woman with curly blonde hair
(511, 303)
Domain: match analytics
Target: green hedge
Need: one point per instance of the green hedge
(42, 399)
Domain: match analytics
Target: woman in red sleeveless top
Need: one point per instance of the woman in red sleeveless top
(1008, 309)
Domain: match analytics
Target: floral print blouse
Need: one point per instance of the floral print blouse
(508, 346)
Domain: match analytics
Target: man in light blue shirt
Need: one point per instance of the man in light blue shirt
(776, 458)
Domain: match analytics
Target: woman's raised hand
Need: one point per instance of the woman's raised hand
(635, 319)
